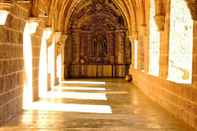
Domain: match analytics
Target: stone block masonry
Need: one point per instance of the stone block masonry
(12, 62)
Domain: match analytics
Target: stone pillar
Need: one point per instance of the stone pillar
(44, 76)
(164, 55)
(55, 39)
(132, 53)
(76, 45)
(192, 4)
(89, 51)
(63, 42)
(160, 14)
(30, 88)
(143, 48)
(163, 23)
(194, 68)
(119, 47)
(164, 33)
(110, 40)
(160, 21)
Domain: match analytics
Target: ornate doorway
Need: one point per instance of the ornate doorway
(97, 45)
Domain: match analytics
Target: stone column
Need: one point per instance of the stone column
(163, 22)
(132, 54)
(110, 48)
(30, 79)
(143, 49)
(160, 14)
(192, 4)
(56, 38)
(135, 57)
(194, 68)
(44, 76)
(76, 45)
(119, 47)
(63, 42)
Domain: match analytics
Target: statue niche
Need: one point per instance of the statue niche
(99, 46)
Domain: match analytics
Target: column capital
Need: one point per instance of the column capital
(160, 21)
(26, 4)
(31, 27)
(135, 35)
(143, 29)
(65, 36)
(57, 36)
(48, 32)
(44, 20)
(132, 38)
(34, 19)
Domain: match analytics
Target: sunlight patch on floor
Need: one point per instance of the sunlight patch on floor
(83, 82)
(80, 88)
(81, 108)
(76, 95)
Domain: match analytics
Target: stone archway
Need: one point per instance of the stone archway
(98, 39)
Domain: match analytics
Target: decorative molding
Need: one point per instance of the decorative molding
(25, 4)
(34, 19)
(23, 1)
(6, 6)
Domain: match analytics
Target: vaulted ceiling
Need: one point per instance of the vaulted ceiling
(60, 12)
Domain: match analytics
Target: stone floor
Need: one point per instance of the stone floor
(104, 105)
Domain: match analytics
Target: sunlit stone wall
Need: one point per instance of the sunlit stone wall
(181, 43)
(11, 63)
(177, 98)
(154, 43)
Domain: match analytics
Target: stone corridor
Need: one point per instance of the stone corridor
(95, 105)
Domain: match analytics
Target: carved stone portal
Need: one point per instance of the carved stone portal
(97, 37)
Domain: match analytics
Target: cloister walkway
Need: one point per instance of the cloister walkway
(95, 105)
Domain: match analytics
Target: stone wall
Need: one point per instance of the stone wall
(178, 99)
(11, 63)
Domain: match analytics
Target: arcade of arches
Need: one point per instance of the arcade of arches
(46, 44)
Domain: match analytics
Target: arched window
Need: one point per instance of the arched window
(181, 43)
(154, 42)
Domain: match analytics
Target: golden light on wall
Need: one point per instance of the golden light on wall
(3, 16)
(154, 42)
(43, 68)
(181, 43)
(59, 66)
(30, 28)
(135, 54)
